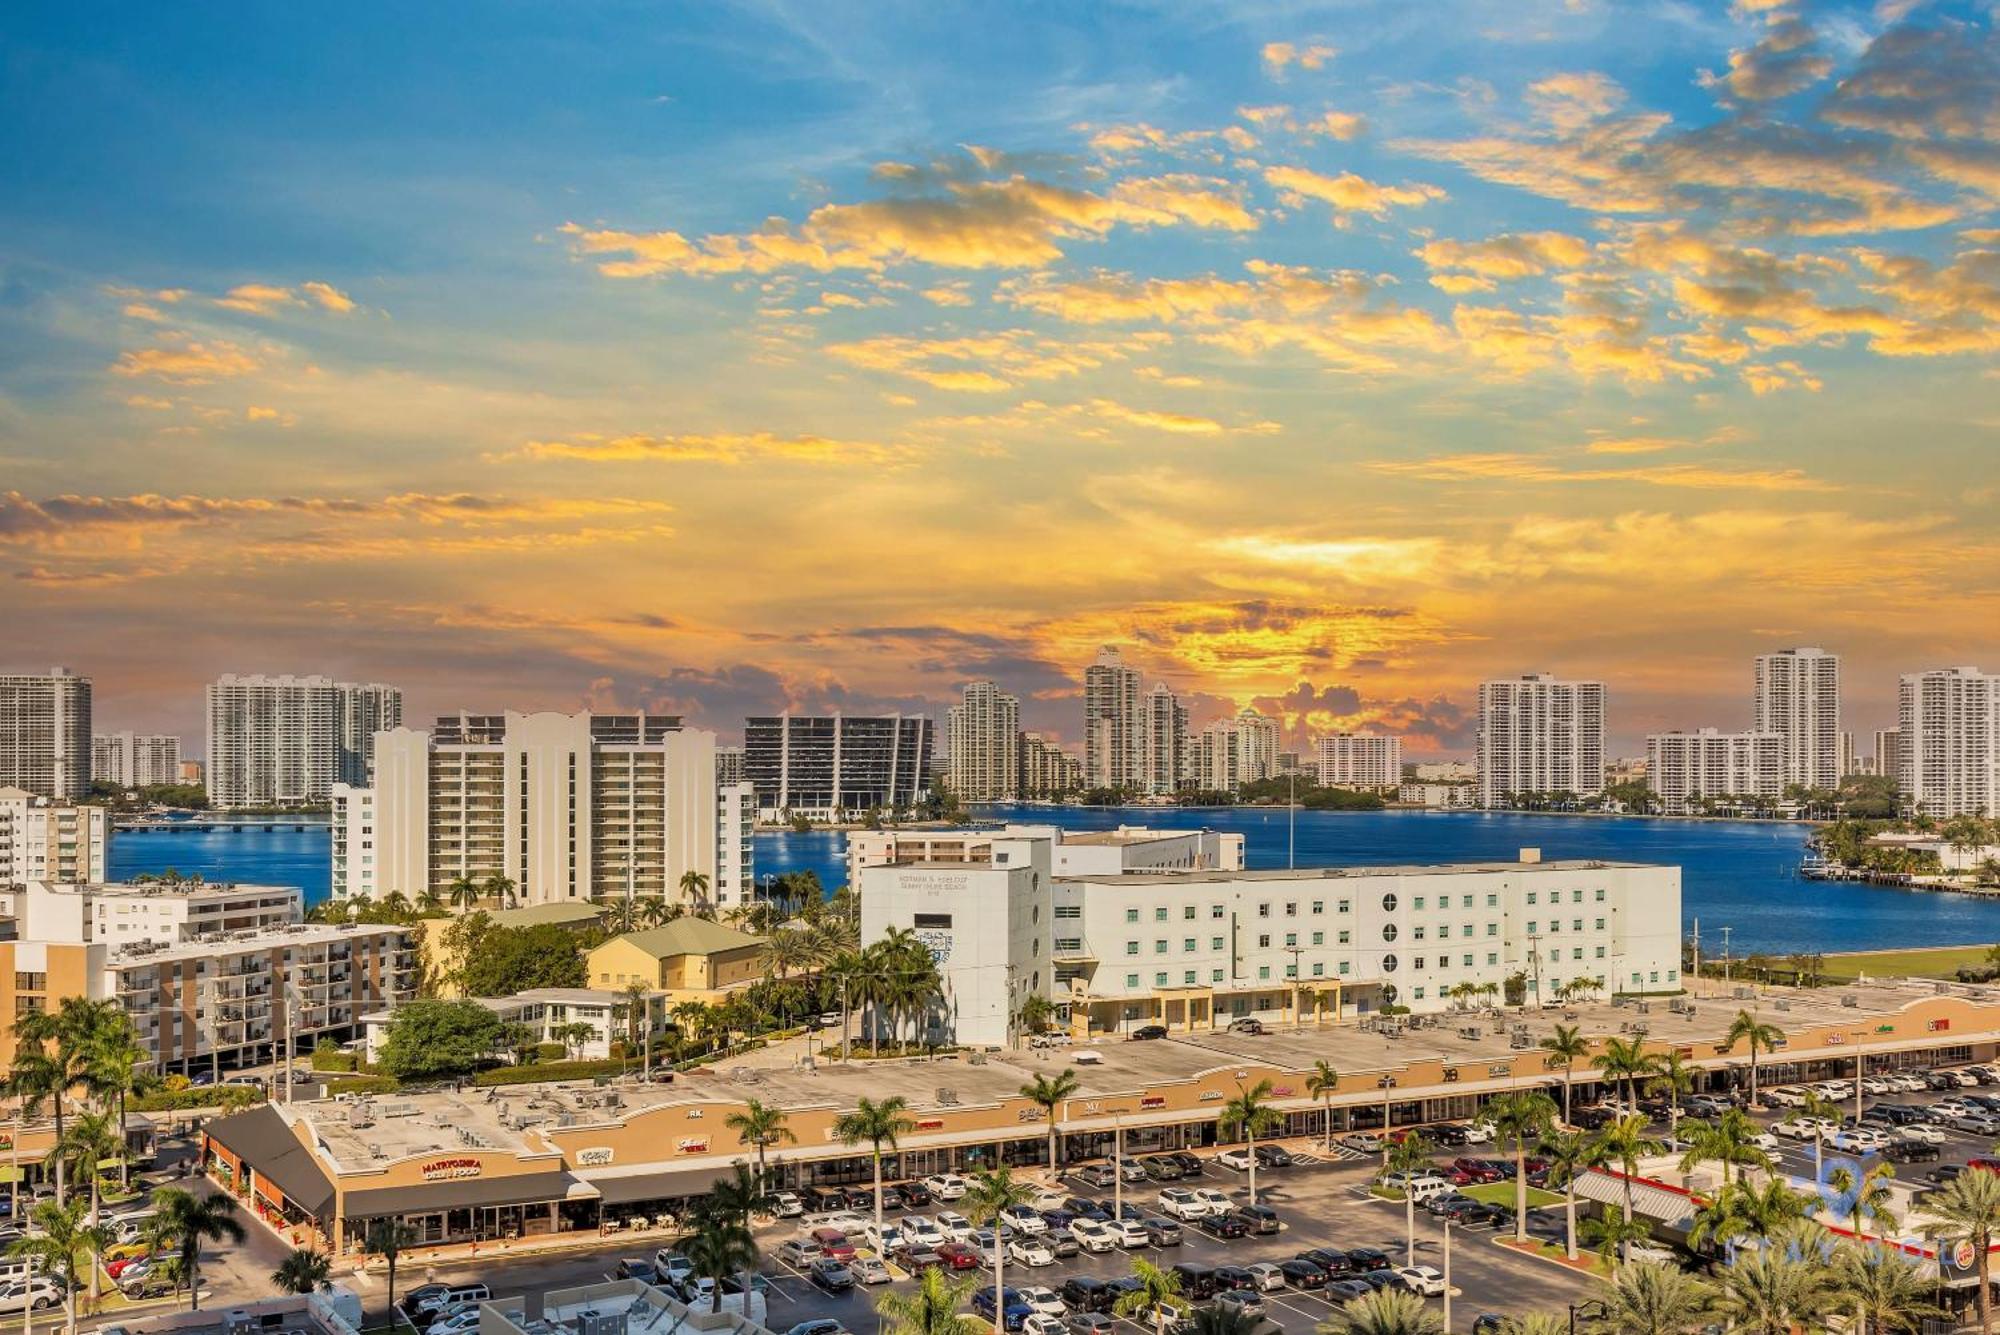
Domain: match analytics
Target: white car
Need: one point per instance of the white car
(1041, 1300)
(946, 1186)
(1909, 1082)
(1048, 1198)
(787, 1204)
(1030, 1252)
(885, 1240)
(1093, 1235)
(1130, 1233)
(1977, 1121)
(29, 1295)
(1876, 1084)
(1924, 1131)
(458, 1323)
(1805, 1128)
(1858, 1140)
(1025, 1218)
(1421, 1279)
(1766, 1142)
(955, 1226)
(1479, 1133)
(1646, 1255)
(924, 1233)
(1269, 1278)
(1180, 1203)
(1965, 1079)
(1218, 1202)
(869, 1270)
(1240, 1160)
(1041, 1323)
(1785, 1098)
(1834, 1089)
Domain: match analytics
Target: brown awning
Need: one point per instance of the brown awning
(661, 1186)
(512, 1189)
(265, 1144)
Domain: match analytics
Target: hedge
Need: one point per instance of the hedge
(541, 1072)
(364, 1084)
(227, 1097)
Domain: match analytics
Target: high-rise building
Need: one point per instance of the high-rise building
(985, 729)
(1798, 697)
(1217, 757)
(1048, 771)
(43, 839)
(1360, 760)
(1114, 731)
(1948, 743)
(286, 741)
(835, 766)
(1256, 747)
(1540, 734)
(45, 733)
(1685, 767)
(1166, 728)
(135, 760)
(1889, 753)
(564, 806)
(1849, 762)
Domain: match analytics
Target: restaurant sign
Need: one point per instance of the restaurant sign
(443, 1170)
(595, 1157)
(694, 1145)
(1153, 1101)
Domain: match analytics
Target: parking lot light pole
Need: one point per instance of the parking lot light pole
(1118, 1165)
(1447, 1274)
(1385, 1084)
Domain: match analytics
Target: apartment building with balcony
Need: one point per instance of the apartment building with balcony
(1683, 768)
(832, 767)
(1360, 760)
(45, 733)
(135, 760)
(1540, 734)
(42, 839)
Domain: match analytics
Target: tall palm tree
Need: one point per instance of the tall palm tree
(1884, 1290)
(1673, 1077)
(1818, 1106)
(500, 889)
(1866, 1192)
(1777, 1291)
(1969, 1210)
(989, 1196)
(1740, 1210)
(1624, 1142)
(931, 1308)
(1613, 1232)
(1759, 1035)
(1250, 1114)
(653, 910)
(91, 1139)
(1320, 1084)
(1729, 1140)
(463, 892)
(52, 1055)
(1570, 1154)
(1384, 1312)
(761, 1125)
(65, 1245)
(720, 1245)
(184, 1223)
(1656, 1300)
(304, 1271)
(1049, 1094)
(1624, 1062)
(1159, 1292)
(1568, 1046)
(429, 900)
(120, 1070)
(1524, 1115)
(879, 1122)
(694, 889)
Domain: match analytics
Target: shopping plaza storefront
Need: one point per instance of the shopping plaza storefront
(546, 1160)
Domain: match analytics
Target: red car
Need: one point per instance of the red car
(1984, 1165)
(833, 1243)
(1466, 1172)
(960, 1256)
(121, 1265)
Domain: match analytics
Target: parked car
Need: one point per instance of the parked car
(830, 1275)
(1190, 1163)
(1130, 1233)
(1449, 1135)
(1091, 1323)
(1162, 1168)
(1364, 1142)
(915, 1195)
(1246, 1024)
(832, 1243)
(1259, 1218)
(1332, 1264)
(1181, 1203)
(821, 1325)
(1040, 1323)
(1368, 1258)
(1475, 1171)
(1223, 1226)
(629, 1267)
(1031, 1252)
(787, 1204)
(1302, 1274)
(1238, 1159)
(946, 1186)
(1161, 1232)
(1014, 1312)
(1421, 1279)
(1095, 1175)
(1149, 1031)
(1268, 1276)
(960, 1256)
(1093, 1235)
(869, 1270)
(1041, 1300)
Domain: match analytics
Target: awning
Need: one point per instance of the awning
(1649, 1201)
(659, 1186)
(262, 1141)
(512, 1189)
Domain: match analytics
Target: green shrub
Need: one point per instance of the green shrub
(364, 1084)
(542, 1072)
(229, 1098)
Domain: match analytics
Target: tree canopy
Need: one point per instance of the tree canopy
(438, 1039)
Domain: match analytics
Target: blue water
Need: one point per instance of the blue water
(1739, 875)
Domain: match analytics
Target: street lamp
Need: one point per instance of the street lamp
(1595, 1309)
(1118, 1164)
(1385, 1084)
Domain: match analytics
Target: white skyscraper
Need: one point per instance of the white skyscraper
(1889, 753)
(1360, 760)
(1540, 734)
(1114, 732)
(1256, 747)
(985, 743)
(1948, 741)
(285, 741)
(135, 760)
(1684, 767)
(45, 733)
(1166, 741)
(1798, 697)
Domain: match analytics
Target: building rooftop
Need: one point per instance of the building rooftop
(688, 936)
(547, 915)
(1363, 873)
(1126, 836)
(207, 945)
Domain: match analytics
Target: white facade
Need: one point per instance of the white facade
(45, 733)
(1256, 747)
(1129, 848)
(286, 741)
(1196, 950)
(1797, 696)
(1889, 753)
(985, 731)
(1114, 728)
(135, 760)
(45, 840)
(1540, 734)
(1167, 758)
(1948, 748)
(118, 914)
(1684, 767)
(1444, 771)
(1442, 796)
(565, 806)
(1360, 760)
(543, 1010)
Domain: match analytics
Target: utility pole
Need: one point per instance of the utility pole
(1447, 1272)
(1697, 951)
(1118, 1165)
(1725, 956)
(1298, 982)
(1292, 820)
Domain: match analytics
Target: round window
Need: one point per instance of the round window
(1388, 931)
(1388, 903)
(1388, 964)
(1389, 994)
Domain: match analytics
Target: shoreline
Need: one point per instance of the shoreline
(975, 808)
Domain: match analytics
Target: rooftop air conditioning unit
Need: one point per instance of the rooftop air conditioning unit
(1849, 999)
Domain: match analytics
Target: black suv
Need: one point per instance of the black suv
(1910, 1151)
(1083, 1293)
(1197, 1281)
(1148, 1031)
(1223, 1225)
(1258, 1218)
(1190, 1164)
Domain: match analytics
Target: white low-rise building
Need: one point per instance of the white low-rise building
(1442, 796)
(124, 912)
(1195, 950)
(1071, 852)
(42, 839)
(546, 1012)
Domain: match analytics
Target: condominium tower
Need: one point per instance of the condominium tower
(1683, 768)
(1798, 697)
(1166, 726)
(985, 728)
(1114, 730)
(1889, 753)
(45, 733)
(1540, 734)
(835, 766)
(1360, 760)
(1949, 741)
(285, 741)
(135, 760)
(1048, 771)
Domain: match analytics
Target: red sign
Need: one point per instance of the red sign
(694, 1145)
(1937, 1025)
(1283, 1092)
(1153, 1101)
(439, 1170)
(931, 1124)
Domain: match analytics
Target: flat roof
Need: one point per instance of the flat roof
(1363, 873)
(1126, 838)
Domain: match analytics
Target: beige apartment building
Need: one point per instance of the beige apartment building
(46, 840)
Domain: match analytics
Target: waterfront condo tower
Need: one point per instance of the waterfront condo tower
(45, 733)
(1798, 697)
(1540, 734)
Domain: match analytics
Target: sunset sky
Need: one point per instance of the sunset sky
(729, 359)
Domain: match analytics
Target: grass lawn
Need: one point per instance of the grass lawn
(1502, 1193)
(1939, 962)
(1556, 1251)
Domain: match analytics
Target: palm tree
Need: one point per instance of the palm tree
(653, 910)
(184, 1223)
(463, 892)
(1215, 1319)
(1624, 1062)
(1673, 1077)
(304, 1271)
(1624, 1143)
(761, 1125)
(1969, 1209)
(1741, 1210)
(621, 915)
(1730, 1140)
(64, 1244)
(989, 1196)
(51, 1056)
(1867, 1194)
(389, 1239)
(1570, 1154)
(1049, 1094)
(1815, 1105)
(879, 1123)
(1567, 1045)
(120, 1071)
(1885, 1292)
(638, 1008)
(1762, 1037)
(1656, 1300)
(429, 900)
(499, 889)
(1524, 1115)
(88, 1142)
(1159, 1291)
(721, 1245)
(1535, 1323)
(1775, 1290)
(1320, 1084)
(1249, 1113)
(1612, 1232)
(1384, 1312)
(931, 1309)
(694, 889)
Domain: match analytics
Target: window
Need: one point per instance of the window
(1600, 952)
(1131, 915)
(1576, 924)
(940, 921)
(1417, 963)
(1418, 993)
(1292, 909)
(1187, 943)
(1388, 903)
(1417, 932)
(1344, 967)
(1492, 901)
(1264, 941)
(31, 982)
(1319, 938)
(1576, 896)
(1319, 906)
(1215, 910)
(1264, 972)
(1187, 976)
(1319, 971)
(1215, 975)
(1187, 912)
(1264, 910)
(1160, 914)
(1131, 947)
(1600, 896)
(1388, 964)
(1215, 943)
(1466, 902)
(1291, 939)
(1069, 910)
(1492, 957)
(1600, 923)
(1345, 936)
(1531, 896)
(1131, 980)
(1160, 947)
(1388, 931)
(1291, 971)
(1531, 928)
(1468, 961)
(1576, 952)
(1159, 979)
(1444, 931)
(1417, 903)
(1343, 906)
(1492, 929)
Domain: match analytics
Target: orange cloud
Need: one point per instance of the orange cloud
(1282, 56)
(724, 448)
(185, 361)
(1348, 192)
